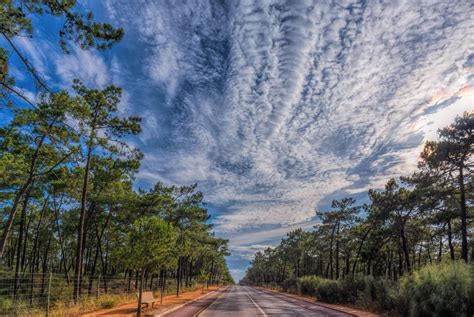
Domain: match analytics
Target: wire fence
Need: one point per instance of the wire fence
(41, 292)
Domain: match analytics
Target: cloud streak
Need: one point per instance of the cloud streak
(274, 106)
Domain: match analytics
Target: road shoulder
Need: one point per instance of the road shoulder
(191, 307)
(341, 308)
(169, 302)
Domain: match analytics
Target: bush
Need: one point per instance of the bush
(445, 289)
(376, 294)
(5, 304)
(108, 301)
(290, 285)
(328, 291)
(366, 291)
(307, 285)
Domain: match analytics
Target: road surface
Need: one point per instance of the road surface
(245, 301)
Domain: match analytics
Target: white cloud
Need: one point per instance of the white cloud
(35, 52)
(273, 106)
(86, 65)
(248, 252)
(241, 241)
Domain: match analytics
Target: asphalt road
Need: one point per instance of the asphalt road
(244, 301)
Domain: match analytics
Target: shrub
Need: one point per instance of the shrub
(445, 289)
(376, 294)
(307, 285)
(289, 285)
(108, 301)
(5, 304)
(330, 291)
(366, 291)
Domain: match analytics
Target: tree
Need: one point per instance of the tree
(41, 146)
(100, 126)
(453, 154)
(149, 245)
(79, 27)
(341, 217)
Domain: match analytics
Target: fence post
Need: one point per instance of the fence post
(49, 292)
(98, 286)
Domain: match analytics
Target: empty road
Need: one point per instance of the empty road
(244, 301)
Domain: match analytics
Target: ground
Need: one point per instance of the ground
(169, 301)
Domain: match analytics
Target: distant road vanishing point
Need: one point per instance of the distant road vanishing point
(246, 301)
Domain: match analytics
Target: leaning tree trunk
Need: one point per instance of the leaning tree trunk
(358, 252)
(22, 190)
(19, 243)
(80, 235)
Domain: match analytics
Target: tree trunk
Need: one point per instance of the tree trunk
(45, 266)
(23, 189)
(463, 215)
(27, 230)
(20, 243)
(450, 240)
(80, 235)
(61, 242)
(358, 252)
(347, 265)
(405, 247)
(139, 308)
(337, 252)
(440, 252)
(178, 271)
(97, 251)
(34, 252)
(129, 288)
(400, 262)
(330, 251)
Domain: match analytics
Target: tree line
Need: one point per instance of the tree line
(67, 198)
(416, 220)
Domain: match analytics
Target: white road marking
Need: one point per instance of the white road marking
(213, 302)
(259, 308)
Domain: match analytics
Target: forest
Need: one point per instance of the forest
(73, 224)
(408, 251)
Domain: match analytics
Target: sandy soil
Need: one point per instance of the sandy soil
(169, 301)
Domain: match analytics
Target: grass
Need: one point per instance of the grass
(86, 304)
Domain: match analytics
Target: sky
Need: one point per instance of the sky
(274, 107)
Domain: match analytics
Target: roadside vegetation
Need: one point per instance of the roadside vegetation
(407, 252)
(72, 226)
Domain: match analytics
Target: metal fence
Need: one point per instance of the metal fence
(40, 292)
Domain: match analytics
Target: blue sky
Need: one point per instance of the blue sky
(275, 107)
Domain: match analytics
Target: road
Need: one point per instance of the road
(244, 301)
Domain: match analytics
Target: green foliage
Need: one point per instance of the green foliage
(308, 285)
(445, 289)
(374, 294)
(331, 291)
(66, 178)
(108, 301)
(79, 27)
(6, 304)
(290, 285)
(150, 244)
